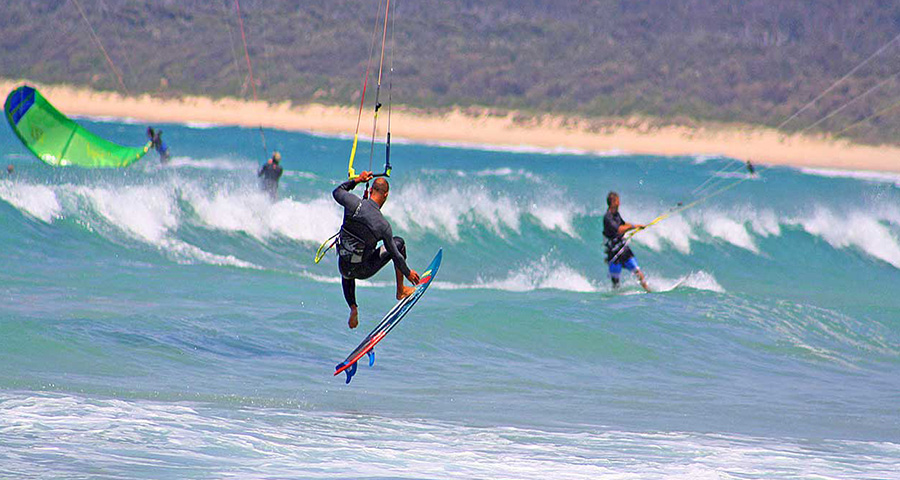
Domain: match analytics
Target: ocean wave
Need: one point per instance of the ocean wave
(872, 231)
(699, 280)
(522, 148)
(543, 274)
(151, 214)
(211, 164)
(738, 227)
(253, 213)
(36, 201)
(864, 175)
(147, 213)
(865, 231)
(700, 159)
(444, 211)
(202, 125)
(109, 119)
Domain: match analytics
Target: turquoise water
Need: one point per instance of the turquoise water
(168, 322)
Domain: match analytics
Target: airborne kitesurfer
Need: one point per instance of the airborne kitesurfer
(359, 256)
(618, 254)
(269, 174)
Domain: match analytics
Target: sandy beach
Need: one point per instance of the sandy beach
(482, 127)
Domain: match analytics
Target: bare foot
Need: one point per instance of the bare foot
(407, 291)
(354, 318)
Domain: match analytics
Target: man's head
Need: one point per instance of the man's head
(379, 191)
(612, 200)
(276, 157)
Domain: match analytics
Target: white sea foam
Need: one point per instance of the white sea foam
(201, 125)
(445, 211)
(62, 435)
(509, 173)
(865, 175)
(146, 213)
(703, 158)
(253, 213)
(676, 231)
(543, 274)
(699, 280)
(109, 119)
(38, 201)
(729, 230)
(872, 231)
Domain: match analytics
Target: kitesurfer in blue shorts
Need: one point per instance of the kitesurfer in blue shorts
(158, 144)
(618, 254)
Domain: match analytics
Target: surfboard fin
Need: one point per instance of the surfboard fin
(371, 355)
(350, 371)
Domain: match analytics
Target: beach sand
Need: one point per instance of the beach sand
(474, 126)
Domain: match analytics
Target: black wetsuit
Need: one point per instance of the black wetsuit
(269, 175)
(614, 240)
(359, 256)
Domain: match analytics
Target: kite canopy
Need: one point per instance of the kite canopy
(59, 141)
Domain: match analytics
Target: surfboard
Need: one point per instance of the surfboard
(390, 320)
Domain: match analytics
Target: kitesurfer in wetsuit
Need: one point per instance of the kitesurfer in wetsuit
(618, 254)
(750, 168)
(269, 174)
(359, 256)
(158, 145)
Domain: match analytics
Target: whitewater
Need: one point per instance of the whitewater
(169, 321)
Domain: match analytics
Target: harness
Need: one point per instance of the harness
(355, 241)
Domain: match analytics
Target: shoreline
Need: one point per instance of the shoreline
(478, 127)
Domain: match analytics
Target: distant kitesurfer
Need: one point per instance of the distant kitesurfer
(269, 174)
(359, 256)
(750, 168)
(158, 144)
(618, 254)
(10, 169)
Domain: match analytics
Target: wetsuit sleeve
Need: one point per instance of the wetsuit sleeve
(280, 171)
(343, 196)
(387, 236)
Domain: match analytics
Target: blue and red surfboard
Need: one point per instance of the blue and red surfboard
(393, 317)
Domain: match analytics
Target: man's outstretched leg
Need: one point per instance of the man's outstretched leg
(349, 286)
(641, 279)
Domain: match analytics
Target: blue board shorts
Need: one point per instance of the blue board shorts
(615, 269)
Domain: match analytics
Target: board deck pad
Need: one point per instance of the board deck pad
(390, 320)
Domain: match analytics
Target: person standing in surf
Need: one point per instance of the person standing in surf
(158, 144)
(618, 254)
(269, 174)
(359, 256)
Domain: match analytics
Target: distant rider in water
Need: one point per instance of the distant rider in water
(157, 143)
(269, 174)
(359, 256)
(618, 254)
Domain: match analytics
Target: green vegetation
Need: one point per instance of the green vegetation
(751, 61)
